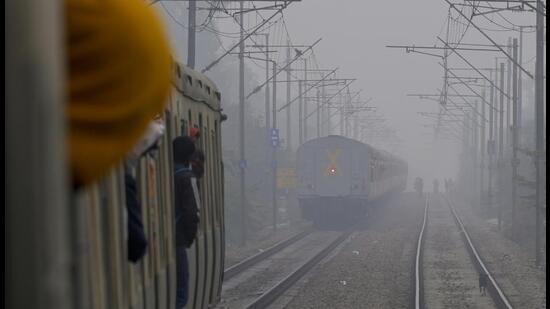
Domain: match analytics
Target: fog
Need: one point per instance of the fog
(354, 38)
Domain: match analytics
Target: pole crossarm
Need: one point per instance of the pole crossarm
(438, 95)
(489, 38)
(305, 91)
(471, 89)
(258, 88)
(325, 102)
(315, 80)
(412, 48)
(467, 103)
(475, 69)
(523, 3)
(208, 67)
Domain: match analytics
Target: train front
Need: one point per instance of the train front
(332, 175)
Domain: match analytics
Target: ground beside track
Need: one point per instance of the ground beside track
(373, 269)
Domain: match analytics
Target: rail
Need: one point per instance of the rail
(418, 288)
(272, 294)
(255, 259)
(494, 289)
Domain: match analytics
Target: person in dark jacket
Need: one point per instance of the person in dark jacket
(137, 241)
(186, 211)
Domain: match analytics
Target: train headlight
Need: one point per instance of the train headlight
(332, 171)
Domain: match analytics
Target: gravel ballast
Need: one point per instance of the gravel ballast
(510, 264)
(450, 279)
(373, 269)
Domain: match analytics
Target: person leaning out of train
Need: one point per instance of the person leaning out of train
(197, 164)
(186, 212)
(194, 133)
(137, 240)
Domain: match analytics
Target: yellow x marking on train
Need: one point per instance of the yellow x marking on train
(333, 168)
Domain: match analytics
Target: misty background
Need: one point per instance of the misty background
(354, 36)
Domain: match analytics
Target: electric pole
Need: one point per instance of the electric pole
(509, 98)
(515, 135)
(267, 106)
(318, 114)
(482, 145)
(300, 110)
(304, 121)
(490, 144)
(191, 34)
(242, 163)
(288, 110)
(500, 164)
(274, 150)
(539, 124)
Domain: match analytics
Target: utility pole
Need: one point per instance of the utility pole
(288, 110)
(300, 113)
(318, 114)
(304, 120)
(242, 163)
(342, 108)
(191, 34)
(274, 151)
(500, 164)
(475, 143)
(267, 106)
(327, 109)
(515, 135)
(539, 124)
(520, 85)
(482, 146)
(490, 145)
(509, 92)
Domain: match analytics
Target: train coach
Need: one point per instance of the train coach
(66, 246)
(194, 102)
(86, 266)
(339, 177)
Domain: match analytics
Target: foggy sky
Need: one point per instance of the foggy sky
(354, 35)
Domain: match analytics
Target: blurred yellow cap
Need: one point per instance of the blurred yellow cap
(118, 80)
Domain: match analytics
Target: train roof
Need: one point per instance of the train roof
(196, 86)
(382, 153)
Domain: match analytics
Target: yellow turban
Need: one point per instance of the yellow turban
(119, 78)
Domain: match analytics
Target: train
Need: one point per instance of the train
(151, 283)
(67, 248)
(338, 178)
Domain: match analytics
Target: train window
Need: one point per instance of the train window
(178, 71)
(184, 127)
(208, 90)
(189, 80)
(200, 83)
(218, 95)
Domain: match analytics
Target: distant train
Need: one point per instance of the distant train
(338, 177)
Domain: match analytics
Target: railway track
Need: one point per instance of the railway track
(263, 278)
(238, 268)
(447, 263)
